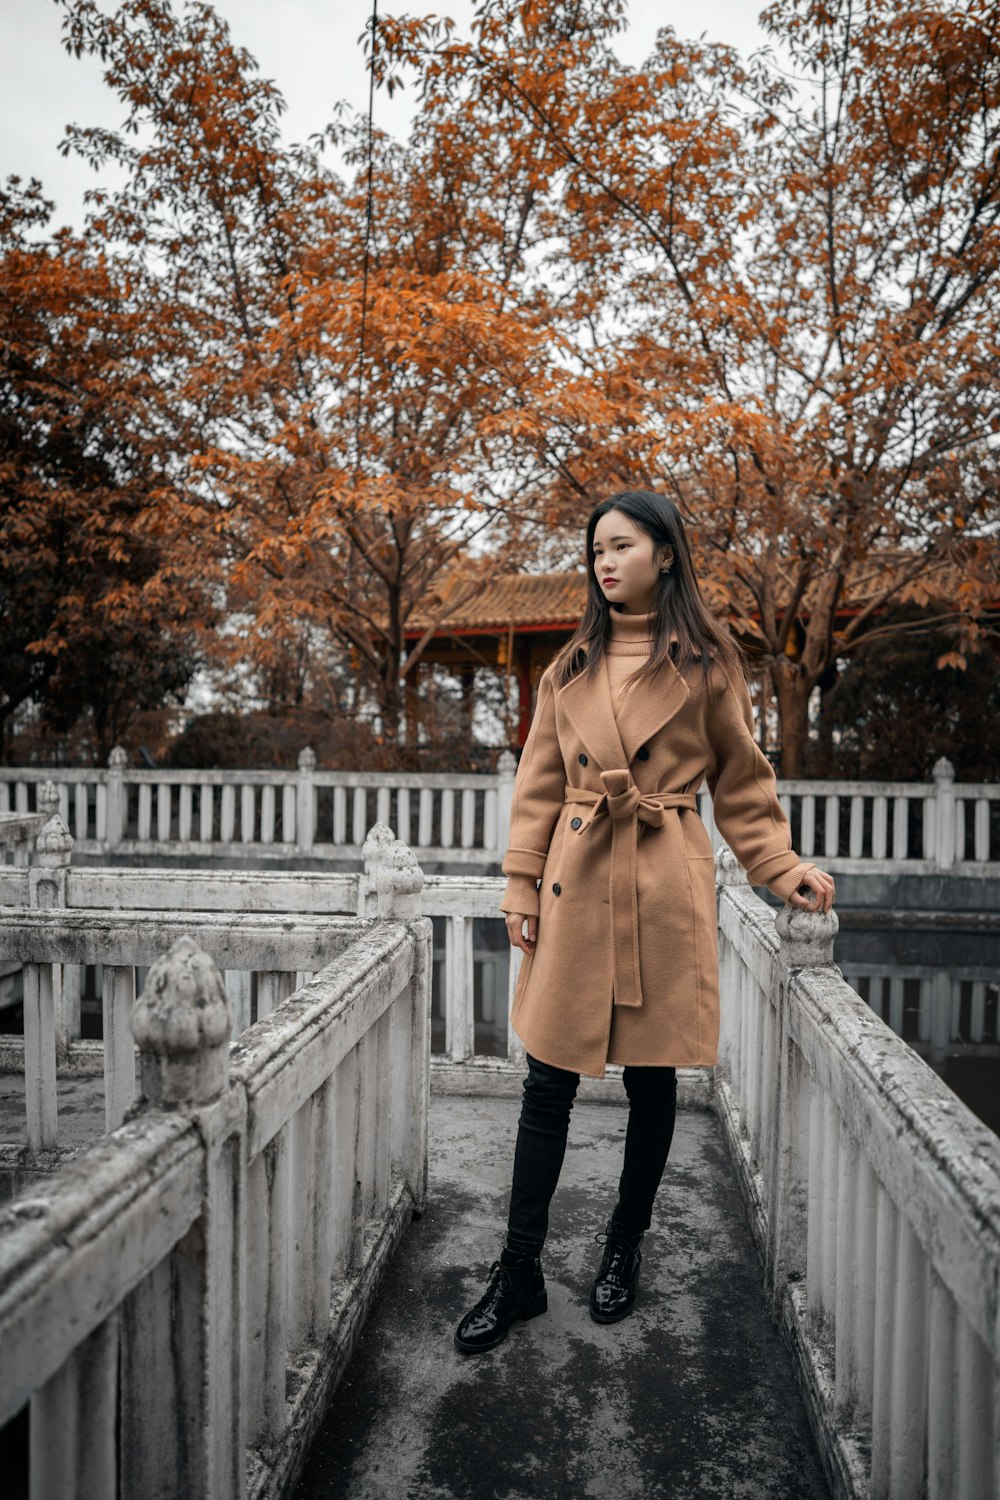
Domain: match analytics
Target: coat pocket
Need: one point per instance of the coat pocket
(697, 843)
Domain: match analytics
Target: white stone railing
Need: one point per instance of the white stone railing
(179, 1302)
(875, 1199)
(457, 816)
(17, 837)
(852, 827)
(474, 978)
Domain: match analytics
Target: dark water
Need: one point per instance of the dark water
(939, 989)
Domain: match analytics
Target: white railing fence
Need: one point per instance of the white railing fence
(179, 1303)
(875, 1199)
(17, 836)
(474, 974)
(462, 817)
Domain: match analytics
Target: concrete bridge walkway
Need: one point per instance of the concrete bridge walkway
(692, 1397)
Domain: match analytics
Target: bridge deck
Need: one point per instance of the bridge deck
(693, 1396)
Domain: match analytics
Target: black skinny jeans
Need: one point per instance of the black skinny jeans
(541, 1145)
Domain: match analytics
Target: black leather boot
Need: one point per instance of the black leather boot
(613, 1291)
(516, 1290)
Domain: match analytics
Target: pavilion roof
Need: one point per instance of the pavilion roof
(521, 599)
(538, 601)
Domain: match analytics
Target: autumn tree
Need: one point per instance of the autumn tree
(781, 295)
(91, 631)
(339, 382)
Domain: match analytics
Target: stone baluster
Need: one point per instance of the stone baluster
(944, 814)
(305, 807)
(44, 1023)
(182, 1337)
(506, 771)
(117, 798)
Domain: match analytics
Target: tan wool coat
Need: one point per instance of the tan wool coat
(625, 963)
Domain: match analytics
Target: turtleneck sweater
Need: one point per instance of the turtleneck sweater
(628, 649)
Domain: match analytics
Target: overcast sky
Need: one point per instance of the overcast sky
(311, 48)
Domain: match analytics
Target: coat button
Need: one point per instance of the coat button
(642, 753)
(582, 759)
(575, 823)
(557, 888)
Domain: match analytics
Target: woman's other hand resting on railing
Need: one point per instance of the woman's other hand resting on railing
(820, 891)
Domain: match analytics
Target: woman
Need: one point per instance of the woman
(646, 701)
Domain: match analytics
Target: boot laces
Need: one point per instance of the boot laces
(617, 1257)
(502, 1284)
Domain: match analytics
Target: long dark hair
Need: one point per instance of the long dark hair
(680, 609)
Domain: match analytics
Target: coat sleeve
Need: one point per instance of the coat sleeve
(744, 794)
(535, 805)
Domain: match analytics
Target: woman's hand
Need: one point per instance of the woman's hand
(820, 891)
(515, 923)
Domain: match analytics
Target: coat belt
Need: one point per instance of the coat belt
(624, 804)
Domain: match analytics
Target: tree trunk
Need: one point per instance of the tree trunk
(792, 687)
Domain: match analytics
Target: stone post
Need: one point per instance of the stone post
(182, 1421)
(506, 771)
(47, 875)
(305, 806)
(944, 814)
(46, 890)
(117, 797)
(398, 880)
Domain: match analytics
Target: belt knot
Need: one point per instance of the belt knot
(624, 798)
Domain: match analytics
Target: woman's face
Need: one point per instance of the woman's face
(625, 554)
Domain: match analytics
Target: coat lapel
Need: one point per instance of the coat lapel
(611, 742)
(644, 712)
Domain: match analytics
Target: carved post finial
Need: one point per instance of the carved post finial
(805, 938)
(54, 845)
(399, 881)
(182, 1024)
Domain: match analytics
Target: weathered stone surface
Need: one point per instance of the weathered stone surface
(806, 937)
(693, 1396)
